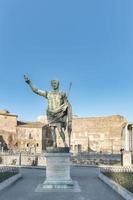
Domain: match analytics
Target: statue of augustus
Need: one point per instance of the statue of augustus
(59, 111)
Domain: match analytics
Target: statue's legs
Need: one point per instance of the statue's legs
(62, 134)
(54, 136)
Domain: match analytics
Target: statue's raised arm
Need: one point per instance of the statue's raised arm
(33, 88)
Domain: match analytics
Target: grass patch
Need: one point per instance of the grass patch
(6, 175)
(125, 179)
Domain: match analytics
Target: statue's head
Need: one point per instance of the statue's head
(55, 84)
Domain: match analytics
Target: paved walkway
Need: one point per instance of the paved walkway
(92, 188)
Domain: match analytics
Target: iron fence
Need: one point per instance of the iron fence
(116, 169)
(14, 170)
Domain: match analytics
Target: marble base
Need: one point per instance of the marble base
(58, 184)
(127, 158)
(75, 188)
(58, 171)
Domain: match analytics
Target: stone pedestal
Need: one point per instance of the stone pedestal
(58, 169)
(127, 158)
(58, 177)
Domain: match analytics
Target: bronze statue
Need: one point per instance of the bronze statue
(59, 112)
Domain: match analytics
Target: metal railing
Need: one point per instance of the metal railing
(116, 169)
(14, 170)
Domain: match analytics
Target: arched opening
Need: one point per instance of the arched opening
(127, 137)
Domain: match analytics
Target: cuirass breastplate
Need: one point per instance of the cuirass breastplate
(55, 100)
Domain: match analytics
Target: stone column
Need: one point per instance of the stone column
(127, 158)
(132, 138)
(126, 138)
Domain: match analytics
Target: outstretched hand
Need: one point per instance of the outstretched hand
(27, 80)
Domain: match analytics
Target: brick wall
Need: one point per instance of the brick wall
(8, 122)
(98, 133)
(29, 139)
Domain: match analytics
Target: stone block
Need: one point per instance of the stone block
(127, 158)
(58, 172)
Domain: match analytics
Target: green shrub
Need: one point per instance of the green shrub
(6, 175)
(125, 179)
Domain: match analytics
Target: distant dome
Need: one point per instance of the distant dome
(42, 119)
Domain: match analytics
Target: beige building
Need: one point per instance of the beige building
(99, 134)
(8, 126)
(30, 137)
(23, 136)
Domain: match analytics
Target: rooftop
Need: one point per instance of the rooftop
(101, 117)
(30, 124)
(6, 112)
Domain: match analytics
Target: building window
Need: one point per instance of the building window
(37, 145)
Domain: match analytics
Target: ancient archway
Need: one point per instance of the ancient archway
(127, 137)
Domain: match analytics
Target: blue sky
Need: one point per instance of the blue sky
(88, 42)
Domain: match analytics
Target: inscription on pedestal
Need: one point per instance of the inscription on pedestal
(58, 169)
